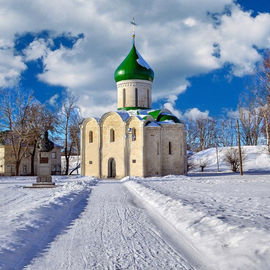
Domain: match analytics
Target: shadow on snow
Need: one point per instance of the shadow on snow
(52, 220)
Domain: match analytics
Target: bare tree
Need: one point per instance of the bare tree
(15, 113)
(261, 90)
(69, 127)
(265, 110)
(201, 133)
(40, 120)
(251, 124)
(226, 132)
(191, 135)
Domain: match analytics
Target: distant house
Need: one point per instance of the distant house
(74, 163)
(7, 161)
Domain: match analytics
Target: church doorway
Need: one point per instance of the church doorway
(111, 168)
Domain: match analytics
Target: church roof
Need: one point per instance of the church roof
(159, 116)
(133, 67)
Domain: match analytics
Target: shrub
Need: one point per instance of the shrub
(232, 158)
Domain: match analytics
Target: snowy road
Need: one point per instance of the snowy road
(113, 232)
(175, 222)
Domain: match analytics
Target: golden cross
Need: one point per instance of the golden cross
(133, 28)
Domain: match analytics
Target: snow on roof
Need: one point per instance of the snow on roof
(124, 115)
(144, 112)
(153, 124)
(167, 122)
(141, 61)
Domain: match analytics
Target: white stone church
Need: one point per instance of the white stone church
(135, 140)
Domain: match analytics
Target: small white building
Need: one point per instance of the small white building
(135, 140)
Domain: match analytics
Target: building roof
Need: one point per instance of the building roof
(133, 67)
(159, 116)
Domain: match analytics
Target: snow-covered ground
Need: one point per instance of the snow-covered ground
(200, 221)
(32, 218)
(257, 159)
(225, 217)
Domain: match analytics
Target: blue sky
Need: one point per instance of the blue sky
(202, 58)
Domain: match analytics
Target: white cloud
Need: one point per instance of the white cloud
(171, 108)
(172, 98)
(53, 100)
(11, 67)
(190, 21)
(175, 37)
(63, 67)
(36, 49)
(239, 33)
(195, 114)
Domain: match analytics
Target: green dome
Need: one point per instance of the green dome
(134, 67)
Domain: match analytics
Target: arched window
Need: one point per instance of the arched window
(124, 97)
(90, 136)
(148, 98)
(136, 97)
(170, 148)
(112, 136)
(133, 134)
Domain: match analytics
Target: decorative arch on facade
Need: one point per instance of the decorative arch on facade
(118, 115)
(133, 126)
(88, 125)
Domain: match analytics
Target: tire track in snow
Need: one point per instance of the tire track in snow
(113, 232)
(159, 237)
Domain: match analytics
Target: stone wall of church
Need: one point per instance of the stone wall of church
(90, 137)
(2, 159)
(172, 149)
(135, 156)
(135, 149)
(152, 153)
(112, 144)
(184, 148)
(126, 91)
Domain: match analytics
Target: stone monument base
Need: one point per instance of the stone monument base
(43, 181)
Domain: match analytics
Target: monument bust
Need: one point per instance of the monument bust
(44, 144)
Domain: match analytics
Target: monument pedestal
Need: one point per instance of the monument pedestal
(44, 178)
(44, 181)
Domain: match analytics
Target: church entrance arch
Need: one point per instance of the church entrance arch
(111, 168)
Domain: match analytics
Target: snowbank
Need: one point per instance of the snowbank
(257, 159)
(32, 218)
(220, 245)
